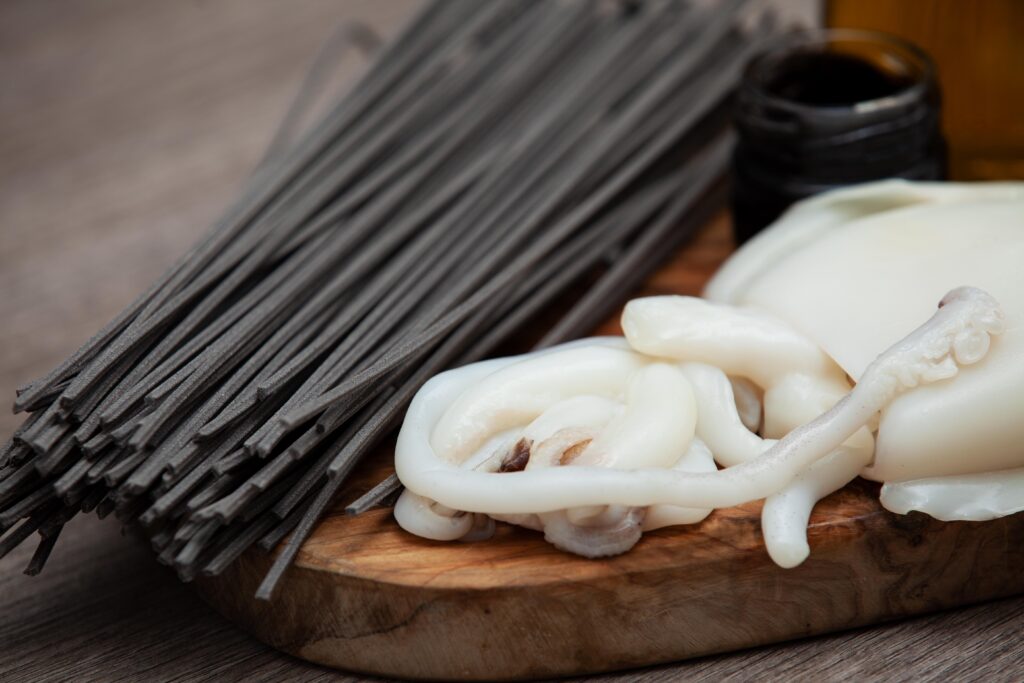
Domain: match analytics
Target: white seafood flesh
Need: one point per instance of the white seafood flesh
(792, 390)
(873, 273)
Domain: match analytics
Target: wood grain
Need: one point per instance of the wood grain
(125, 128)
(364, 595)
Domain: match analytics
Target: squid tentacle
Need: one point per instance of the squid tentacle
(806, 463)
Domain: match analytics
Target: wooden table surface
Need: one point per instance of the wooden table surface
(125, 127)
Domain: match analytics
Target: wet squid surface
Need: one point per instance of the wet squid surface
(701, 405)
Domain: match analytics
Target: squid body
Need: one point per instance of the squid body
(876, 331)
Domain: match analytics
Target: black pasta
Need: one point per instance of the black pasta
(495, 158)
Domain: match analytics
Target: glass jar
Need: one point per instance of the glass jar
(828, 108)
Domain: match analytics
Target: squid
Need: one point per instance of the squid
(765, 389)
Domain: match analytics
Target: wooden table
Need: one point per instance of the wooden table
(125, 127)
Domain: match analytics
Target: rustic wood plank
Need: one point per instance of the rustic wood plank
(367, 596)
(125, 127)
(364, 595)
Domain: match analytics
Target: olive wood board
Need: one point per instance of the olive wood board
(365, 596)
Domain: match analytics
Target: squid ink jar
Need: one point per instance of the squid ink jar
(829, 108)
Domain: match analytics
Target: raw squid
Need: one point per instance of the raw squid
(768, 389)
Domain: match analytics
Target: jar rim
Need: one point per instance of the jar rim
(894, 47)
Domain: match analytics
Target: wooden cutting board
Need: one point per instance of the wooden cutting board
(365, 596)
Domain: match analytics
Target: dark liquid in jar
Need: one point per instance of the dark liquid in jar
(814, 119)
(832, 79)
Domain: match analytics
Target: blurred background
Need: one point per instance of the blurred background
(979, 51)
